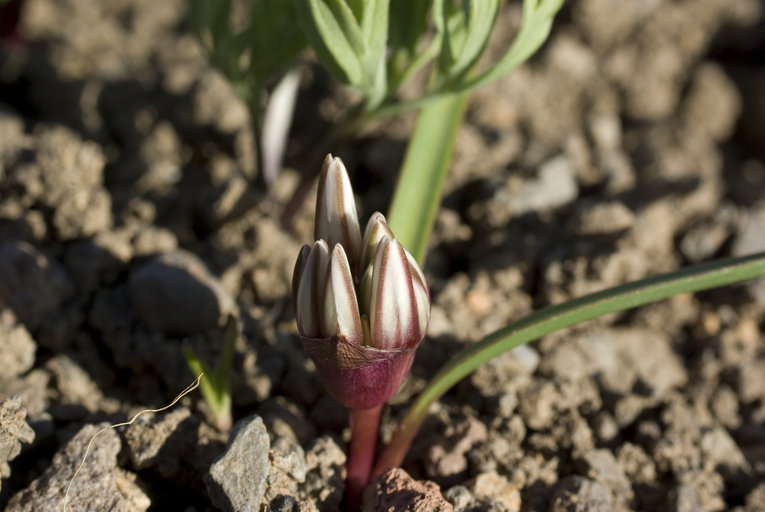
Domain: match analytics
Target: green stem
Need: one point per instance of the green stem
(423, 173)
(364, 424)
(554, 318)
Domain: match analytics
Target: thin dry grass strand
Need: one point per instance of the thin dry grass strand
(191, 387)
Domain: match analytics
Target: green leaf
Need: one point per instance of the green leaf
(375, 29)
(480, 20)
(274, 37)
(450, 25)
(555, 318)
(422, 175)
(408, 23)
(219, 19)
(374, 26)
(537, 21)
(334, 34)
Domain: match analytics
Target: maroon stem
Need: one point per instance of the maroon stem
(364, 425)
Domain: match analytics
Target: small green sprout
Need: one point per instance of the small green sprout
(216, 382)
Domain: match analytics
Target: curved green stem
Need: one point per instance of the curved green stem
(554, 318)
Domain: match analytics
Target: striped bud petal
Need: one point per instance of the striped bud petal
(420, 291)
(365, 291)
(310, 291)
(297, 274)
(341, 311)
(336, 218)
(393, 318)
(376, 230)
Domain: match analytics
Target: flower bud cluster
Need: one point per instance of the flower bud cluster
(361, 303)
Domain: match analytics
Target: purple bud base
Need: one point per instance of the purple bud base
(359, 376)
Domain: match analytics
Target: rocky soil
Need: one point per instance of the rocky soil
(631, 145)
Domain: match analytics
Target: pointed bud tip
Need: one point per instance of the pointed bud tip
(336, 219)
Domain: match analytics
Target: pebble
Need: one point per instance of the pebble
(602, 466)
(33, 286)
(749, 240)
(325, 477)
(396, 490)
(150, 435)
(459, 496)
(446, 458)
(100, 484)
(175, 294)
(17, 348)
(14, 430)
(578, 494)
(555, 187)
(237, 479)
(288, 469)
(284, 418)
(497, 488)
(602, 218)
(719, 448)
(536, 404)
(686, 499)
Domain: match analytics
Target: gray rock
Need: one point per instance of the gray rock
(83, 213)
(174, 293)
(33, 286)
(719, 448)
(750, 240)
(491, 487)
(283, 504)
(78, 393)
(288, 470)
(554, 187)
(103, 256)
(578, 494)
(396, 490)
(66, 176)
(99, 485)
(154, 240)
(325, 479)
(14, 430)
(237, 478)
(459, 496)
(17, 348)
(704, 239)
(622, 356)
(34, 392)
(176, 443)
(602, 218)
(285, 418)
(149, 435)
(756, 499)
(686, 499)
(536, 404)
(11, 136)
(446, 460)
(601, 465)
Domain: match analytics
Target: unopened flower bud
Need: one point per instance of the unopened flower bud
(336, 219)
(363, 308)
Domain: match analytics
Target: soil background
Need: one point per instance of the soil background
(631, 144)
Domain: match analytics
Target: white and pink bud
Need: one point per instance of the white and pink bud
(363, 306)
